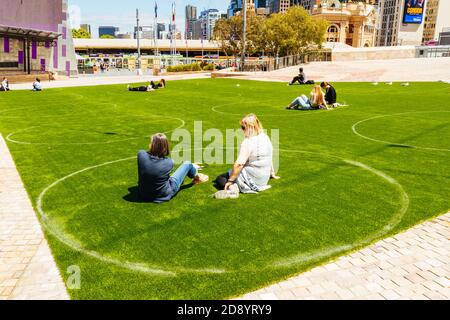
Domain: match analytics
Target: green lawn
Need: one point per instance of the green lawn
(345, 182)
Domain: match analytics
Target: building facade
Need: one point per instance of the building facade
(145, 32)
(437, 18)
(160, 30)
(35, 37)
(191, 18)
(351, 23)
(393, 30)
(86, 27)
(279, 6)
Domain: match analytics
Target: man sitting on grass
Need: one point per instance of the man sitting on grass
(301, 78)
(4, 86)
(156, 184)
(37, 85)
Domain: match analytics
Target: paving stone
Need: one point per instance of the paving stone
(27, 268)
(406, 266)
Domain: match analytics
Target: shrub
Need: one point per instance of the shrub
(209, 67)
(185, 68)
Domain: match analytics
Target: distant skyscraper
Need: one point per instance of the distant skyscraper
(208, 19)
(160, 29)
(145, 32)
(86, 27)
(279, 6)
(107, 30)
(191, 17)
(307, 4)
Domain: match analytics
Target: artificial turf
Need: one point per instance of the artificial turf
(324, 205)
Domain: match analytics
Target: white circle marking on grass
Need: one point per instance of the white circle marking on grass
(152, 269)
(328, 252)
(355, 130)
(10, 139)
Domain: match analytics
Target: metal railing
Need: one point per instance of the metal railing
(433, 51)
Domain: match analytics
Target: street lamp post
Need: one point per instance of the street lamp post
(244, 35)
(138, 43)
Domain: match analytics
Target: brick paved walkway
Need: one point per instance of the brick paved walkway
(412, 265)
(27, 268)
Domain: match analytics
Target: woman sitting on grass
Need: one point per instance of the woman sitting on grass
(253, 168)
(154, 168)
(316, 101)
(152, 86)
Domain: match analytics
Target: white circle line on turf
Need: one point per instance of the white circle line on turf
(142, 267)
(328, 252)
(9, 136)
(355, 130)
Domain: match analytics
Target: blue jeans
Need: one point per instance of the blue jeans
(302, 101)
(187, 169)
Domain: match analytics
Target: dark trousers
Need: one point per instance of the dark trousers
(298, 79)
(221, 181)
(142, 88)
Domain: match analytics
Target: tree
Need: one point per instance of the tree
(280, 34)
(80, 34)
(107, 36)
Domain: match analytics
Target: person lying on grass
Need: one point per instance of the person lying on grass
(154, 169)
(316, 101)
(152, 86)
(253, 168)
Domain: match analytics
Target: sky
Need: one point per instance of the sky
(122, 14)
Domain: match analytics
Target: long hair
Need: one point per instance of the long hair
(319, 96)
(251, 126)
(159, 146)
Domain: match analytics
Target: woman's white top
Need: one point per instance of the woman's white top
(256, 156)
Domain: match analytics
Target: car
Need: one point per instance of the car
(431, 43)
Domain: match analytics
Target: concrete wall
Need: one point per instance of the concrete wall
(376, 53)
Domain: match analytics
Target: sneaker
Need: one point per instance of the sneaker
(128, 87)
(200, 178)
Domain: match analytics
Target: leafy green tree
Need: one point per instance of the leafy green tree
(280, 34)
(80, 34)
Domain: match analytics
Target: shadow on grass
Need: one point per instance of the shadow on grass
(134, 197)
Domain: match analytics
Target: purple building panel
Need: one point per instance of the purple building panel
(6, 44)
(21, 57)
(68, 68)
(33, 50)
(43, 15)
(64, 50)
(64, 33)
(43, 65)
(55, 56)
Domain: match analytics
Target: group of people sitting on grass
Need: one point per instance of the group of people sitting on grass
(317, 99)
(4, 85)
(250, 174)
